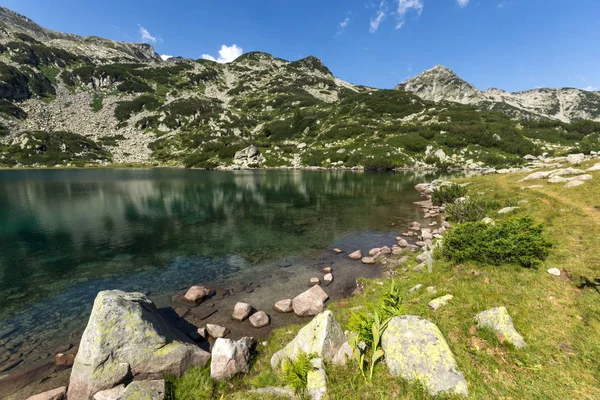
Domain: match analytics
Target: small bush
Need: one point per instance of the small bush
(96, 103)
(196, 384)
(473, 210)
(296, 371)
(126, 108)
(518, 240)
(10, 110)
(447, 194)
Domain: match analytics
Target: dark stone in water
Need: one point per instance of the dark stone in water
(238, 288)
(24, 378)
(220, 293)
(202, 312)
(182, 311)
(10, 365)
(8, 331)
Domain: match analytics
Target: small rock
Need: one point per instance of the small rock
(415, 288)
(574, 184)
(575, 158)
(146, 390)
(420, 268)
(430, 289)
(422, 258)
(229, 358)
(203, 332)
(337, 251)
(315, 281)
(284, 306)
(328, 278)
(507, 210)
(385, 250)
(374, 251)
(216, 331)
(65, 360)
(241, 311)
(402, 243)
(440, 301)
(368, 260)
(498, 320)
(554, 271)
(488, 220)
(260, 319)
(327, 270)
(197, 294)
(356, 255)
(55, 394)
(110, 394)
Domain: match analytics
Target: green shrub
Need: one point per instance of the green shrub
(474, 209)
(96, 103)
(125, 109)
(517, 240)
(4, 131)
(295, 372)
(10, 110)
(196, 384)
(133, 86)
(447, 194)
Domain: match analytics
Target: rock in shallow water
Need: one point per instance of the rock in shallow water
(216, 331)
(311, 302)
(55, 394)
(284, 306)
(260, 319)
(356, 255)
(415, 349)
(127, 338)
(241, 311)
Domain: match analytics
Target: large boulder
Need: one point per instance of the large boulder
(498, 320)
(415, 349)
(126, 338)
(248, 157)
(575, 158)
(322, 336)
(229, 358)
(311, 302)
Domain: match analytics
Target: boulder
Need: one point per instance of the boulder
(537, 175)
(110, 394)
(498, 320)
(585, 177)
(402, 243)
(328, 278)
(343, 355)
(385, 250)
(197, 294)
(260, 319)
(322, 336)
(311, 302)
(127, 338)
(241, 311)
(574, 184)
(415, 349)
(229, 358)
(249, 156)
(594, 168)
(440, 301)
(55, 394)
(144, 390)
(374, 251)
(575, 158)
(216, 331)
(356, 255)
(284, 306)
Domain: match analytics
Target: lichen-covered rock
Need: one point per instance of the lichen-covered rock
(323, 336)
(110, 394)
(126, 338)
(440, 301)
(316, 380)
(229, 358)
(144, 390)
(498, 320)
(415, 349)
(343, 355)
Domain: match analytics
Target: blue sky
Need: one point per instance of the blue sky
(508, 44)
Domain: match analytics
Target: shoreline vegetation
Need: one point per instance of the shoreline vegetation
(519, 318)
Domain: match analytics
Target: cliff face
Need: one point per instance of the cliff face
(442, 84)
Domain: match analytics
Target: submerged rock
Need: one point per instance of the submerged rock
(229, 358)
(415, 349)
(498, 320)
(197, 294)
(322, 336)
(126, 338)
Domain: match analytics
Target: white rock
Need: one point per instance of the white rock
(260, 319)
(575, 158)
(229, 358)
(554, 271)
(241, 311)
(507, 210)
(574, 184)
(216, 331)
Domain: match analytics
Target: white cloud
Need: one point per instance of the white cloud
(462, 3)
(226, 54)
(342, 26)
(379, 17)
(590, 88)
(145, 36)
(404, 7)
(165, 57)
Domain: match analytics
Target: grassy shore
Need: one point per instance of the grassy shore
(559, 317)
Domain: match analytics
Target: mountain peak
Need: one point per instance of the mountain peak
(439, 83)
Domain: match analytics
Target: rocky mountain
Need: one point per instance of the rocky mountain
(75, 101)
(442, 84)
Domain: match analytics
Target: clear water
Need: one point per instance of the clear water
(66, 234)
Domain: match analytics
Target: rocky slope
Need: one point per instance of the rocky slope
(75, 101)
(567, 104)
